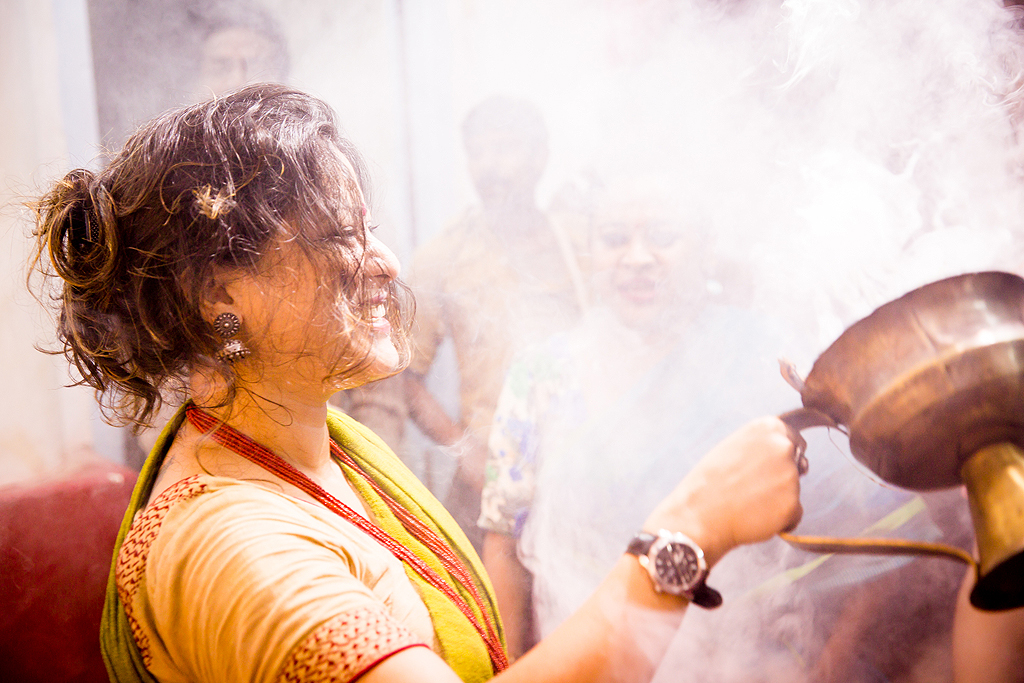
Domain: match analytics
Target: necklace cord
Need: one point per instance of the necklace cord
(235, 441)
(423, 533)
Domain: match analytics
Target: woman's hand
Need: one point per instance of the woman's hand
(745, 490)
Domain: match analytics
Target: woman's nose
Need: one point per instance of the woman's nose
(638, 253)
(381, 261)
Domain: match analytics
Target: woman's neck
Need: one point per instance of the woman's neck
(292, 426)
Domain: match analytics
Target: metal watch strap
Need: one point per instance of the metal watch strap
(702, 595)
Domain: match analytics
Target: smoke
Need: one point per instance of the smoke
(851, 150)
(847, 152)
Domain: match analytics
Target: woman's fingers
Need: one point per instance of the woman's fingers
(745, 490)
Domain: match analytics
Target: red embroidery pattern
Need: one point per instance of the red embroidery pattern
(131, 560)
(346, 646)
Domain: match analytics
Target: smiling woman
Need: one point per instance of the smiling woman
(182, 214)
(226, 253)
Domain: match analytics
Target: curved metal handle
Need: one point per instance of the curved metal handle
(876, 546)
(805, 418)
(799, 419)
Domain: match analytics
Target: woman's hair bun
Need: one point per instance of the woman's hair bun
(80, 243)
(82, 229)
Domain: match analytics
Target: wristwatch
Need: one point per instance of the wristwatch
(676, 565)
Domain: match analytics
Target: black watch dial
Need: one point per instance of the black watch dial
(677, 567)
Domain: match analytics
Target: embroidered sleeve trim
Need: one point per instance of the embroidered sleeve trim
(345, 647)
(131, 560)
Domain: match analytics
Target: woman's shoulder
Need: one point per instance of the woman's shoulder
(203, 503)
(207, 488)
(204, 519)
(272, 565)
(248, 530)
(193, 508)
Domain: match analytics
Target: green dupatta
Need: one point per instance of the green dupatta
(459, 643)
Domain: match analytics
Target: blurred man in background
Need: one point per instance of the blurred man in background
(499, 277)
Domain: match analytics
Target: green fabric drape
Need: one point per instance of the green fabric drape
(459, 643)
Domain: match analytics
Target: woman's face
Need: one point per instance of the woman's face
(300, 318)
(646, 262)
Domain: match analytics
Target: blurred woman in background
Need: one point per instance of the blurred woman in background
(594, 425)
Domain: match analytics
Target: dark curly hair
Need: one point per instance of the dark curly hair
(212, 186)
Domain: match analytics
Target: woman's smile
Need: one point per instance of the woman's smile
(378, 317)
(639, 290)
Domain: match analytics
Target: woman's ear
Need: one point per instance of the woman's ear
(217, 294)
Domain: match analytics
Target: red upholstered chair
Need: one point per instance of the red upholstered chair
(56, 541)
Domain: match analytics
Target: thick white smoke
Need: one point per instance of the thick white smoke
(846, 152)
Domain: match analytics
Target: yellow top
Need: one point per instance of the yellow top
(219, 579)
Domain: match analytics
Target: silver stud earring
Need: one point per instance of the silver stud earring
(227, 326)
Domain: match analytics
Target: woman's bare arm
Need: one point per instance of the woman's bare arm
(744, 491)
(512, 588)
(619, 635)
(987, 646)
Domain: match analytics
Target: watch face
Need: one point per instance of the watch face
(677, 567)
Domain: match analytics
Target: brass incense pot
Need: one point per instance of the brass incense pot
(930, 390)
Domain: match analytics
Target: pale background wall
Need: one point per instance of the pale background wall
(43, 426)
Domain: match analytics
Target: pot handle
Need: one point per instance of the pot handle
(805, 418)
(800, 419)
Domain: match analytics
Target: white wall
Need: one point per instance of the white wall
(44, 427)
